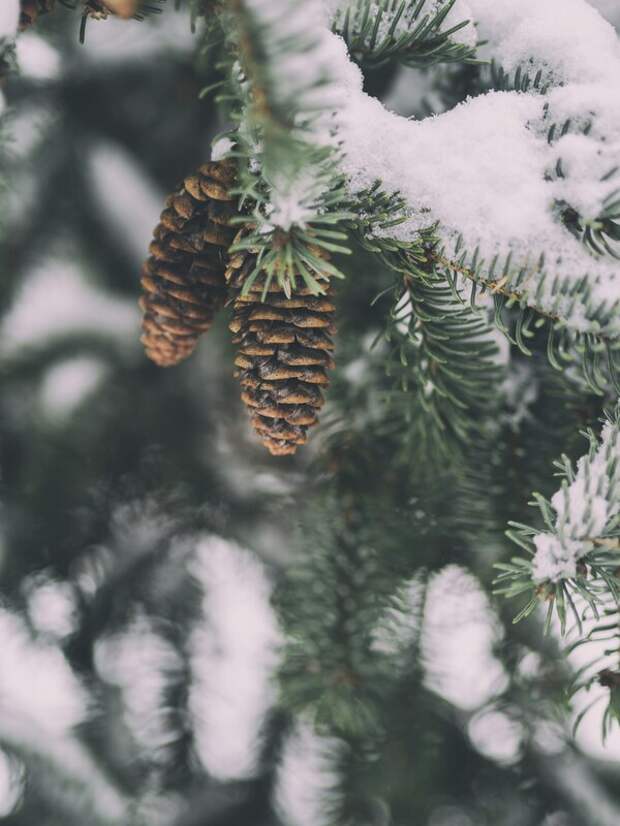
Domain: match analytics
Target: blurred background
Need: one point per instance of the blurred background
(195, 633)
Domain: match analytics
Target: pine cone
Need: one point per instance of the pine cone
(101, 9)
(31, 9)
(183, 278)
(285, 347)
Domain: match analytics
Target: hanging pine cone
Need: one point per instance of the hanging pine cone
(285, 347)
(31, 9)
(183, 278)
(101, 9)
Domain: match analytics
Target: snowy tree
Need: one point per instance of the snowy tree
(391, 235)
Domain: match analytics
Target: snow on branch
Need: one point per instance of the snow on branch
(39, 719)
(573, 565)
(290, 91)
(486, 173)
(567, 40)
(285, 93)
(578, 551)
(585, 508)
(234, 654)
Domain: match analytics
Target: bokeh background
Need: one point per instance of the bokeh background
(150, 549)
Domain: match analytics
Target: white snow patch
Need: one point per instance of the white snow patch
(459, 632)
(37, 58)
(9, 18)
(56, 299)
(234, 654)
(567, 39)
(114, 172)
(306, 778)
(52, 606)
(496, 735)
(141, 662)
(67, 384)
(56, 703)
(220, 148)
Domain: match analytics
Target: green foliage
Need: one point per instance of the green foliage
(442, 359)
(409, 475)
(403, 31)
(525, 307)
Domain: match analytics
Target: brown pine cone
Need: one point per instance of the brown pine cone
(183, 278)
(285, 350)
(101, 9)
(31, 9)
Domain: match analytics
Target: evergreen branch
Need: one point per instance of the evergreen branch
(442, 358)
(577, 555)
(541, 303)
(288, 185)
(336, 667)
(603, 669)
(494, 76)
(405, 31)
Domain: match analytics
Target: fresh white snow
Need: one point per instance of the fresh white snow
(485, 172)
(9, 17)
(584, 509)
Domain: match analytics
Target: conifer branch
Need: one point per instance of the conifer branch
(289, 184)
(579, 549)
(443, 361)
(597, 348)
(406, 31)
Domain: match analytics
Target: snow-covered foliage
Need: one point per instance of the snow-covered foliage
(506, 177)
(487, 171)
(586, 508)
(58, 703)
(233, 656)
(295, 85)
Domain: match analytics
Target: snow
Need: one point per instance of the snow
(496, 736)
(113, 170)
(67, 384)
(459, 635)
(9, 18)
(52, 606)
(233, 658)
(56, 704)
(307, 777)
(36, 57)
(584, 509)
(56, 299)
(141, 662)
(220, 148)
(567, 39)
(485, 170)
